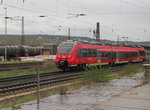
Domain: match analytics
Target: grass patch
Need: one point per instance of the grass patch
(105, 74)
(63, 90)
(48, 66)
(131, 69)
(13, 74)
(96, 75)
(13, 103)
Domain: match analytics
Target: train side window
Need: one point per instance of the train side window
(98, 53)
(94, 52)
(119, 55)
(127, 55)
(130, 55)
(113, 55)
(79, 54)
(89, 52)
(142, 53)
(106, 55)
(122, 55)
(102, 55)
(85, 52)
(109, 55)
(136, 54)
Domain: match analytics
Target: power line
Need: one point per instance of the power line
(58, 17)
(130, 3)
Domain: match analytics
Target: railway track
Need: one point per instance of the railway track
(15, 85)
(18, 66)
(25, 78)
(20, 84)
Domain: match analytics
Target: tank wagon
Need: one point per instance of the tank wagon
(18, 51)
(79, 54)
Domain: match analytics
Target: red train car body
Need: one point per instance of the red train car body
(78, 54)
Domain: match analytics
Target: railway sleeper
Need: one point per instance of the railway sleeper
(34, 85)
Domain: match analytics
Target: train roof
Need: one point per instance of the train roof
(100, 44)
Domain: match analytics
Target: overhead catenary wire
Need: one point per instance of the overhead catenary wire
(59, 17)
(133, 4)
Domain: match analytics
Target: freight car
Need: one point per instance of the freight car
(18, 51)
(80, 54)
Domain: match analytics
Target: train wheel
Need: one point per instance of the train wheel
(98, 66)
(66, 69)
(130, 62)
(81, 66)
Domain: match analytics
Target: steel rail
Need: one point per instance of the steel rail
(13, 66)
(28, 76)
(4, 90)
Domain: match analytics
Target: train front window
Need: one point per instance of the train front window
(65, 48)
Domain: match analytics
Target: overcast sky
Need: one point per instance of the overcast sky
(124, 18)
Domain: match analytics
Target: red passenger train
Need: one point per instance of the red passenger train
(79, 54)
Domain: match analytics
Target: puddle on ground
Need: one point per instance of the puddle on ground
(83, 98)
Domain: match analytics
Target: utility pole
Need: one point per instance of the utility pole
(22, 37)
(94, 35)
(38, 86)
(5, 34)
(22, 28)
(118, 40)
(125, 39)
(68, 33)
(98, 32)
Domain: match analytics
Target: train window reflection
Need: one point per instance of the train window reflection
(65, 48)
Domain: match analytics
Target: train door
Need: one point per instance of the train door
(117, 56)
(112, 56)
(99, 56)
(138, 55)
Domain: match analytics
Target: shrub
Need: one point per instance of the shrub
(96, 75)
(129, 70)
(63, 90)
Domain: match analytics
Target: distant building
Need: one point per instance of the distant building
(49, 49)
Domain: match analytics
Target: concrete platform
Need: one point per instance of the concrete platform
(133, 99)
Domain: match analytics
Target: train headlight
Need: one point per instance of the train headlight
(69, 56)
(58, 55)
